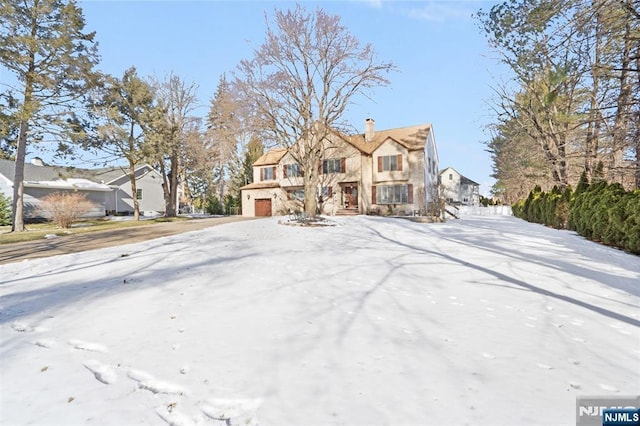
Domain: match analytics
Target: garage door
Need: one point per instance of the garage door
(263, 207)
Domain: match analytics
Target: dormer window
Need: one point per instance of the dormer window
(267, 173)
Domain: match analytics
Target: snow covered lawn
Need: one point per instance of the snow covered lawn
(484, 320)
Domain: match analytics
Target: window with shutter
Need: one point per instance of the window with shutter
(390, 163)
(392, 194)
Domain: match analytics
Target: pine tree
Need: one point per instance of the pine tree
(126, 110)
(44, 45)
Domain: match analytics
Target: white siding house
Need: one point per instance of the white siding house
(458, 189)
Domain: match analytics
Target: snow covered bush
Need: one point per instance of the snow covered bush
(64, 208)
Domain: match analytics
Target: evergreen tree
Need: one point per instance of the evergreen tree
(5, 210)
(126, 112)
(44, 45)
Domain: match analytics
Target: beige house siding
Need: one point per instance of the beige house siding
(417, 173)
(353, 161)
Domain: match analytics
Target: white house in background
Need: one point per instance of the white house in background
(148, 189)
(458, 189)
(386, 171)
(108, 189)
(41, 180)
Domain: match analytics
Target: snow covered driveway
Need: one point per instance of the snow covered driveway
(484, 320)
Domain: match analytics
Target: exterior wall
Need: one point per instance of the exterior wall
(431, 168)
(366, 164)
(352, 175)
(420, 168)
(412, 173)
(150, 182)
(391, 148)
(450, 184)
(32, 203)
(454, 191)
(278, 198)
(6, 187)
(418, 179)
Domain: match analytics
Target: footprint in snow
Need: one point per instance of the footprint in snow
(148, 382)
(609, 388)
(45, 343)
(21, 327)
(172, 416)
(103, 373)
(87, 346)
(544, 366)
(232, 411)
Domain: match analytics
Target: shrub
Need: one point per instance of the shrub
(232, 204)
(599, 211)
(64, 208)
(5, 210)
(213, 205)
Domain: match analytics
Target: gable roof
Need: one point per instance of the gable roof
(412, 137)
(33, 173)
(273, 156)
(463, 179)
(109, 175)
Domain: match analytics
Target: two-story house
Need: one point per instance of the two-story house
(389, 171)
(458, 189)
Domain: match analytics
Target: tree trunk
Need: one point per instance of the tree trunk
(18, 180)
(172, 201)
(134, 190)
(623, 105)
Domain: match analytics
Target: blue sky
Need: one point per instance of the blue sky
(445, 65)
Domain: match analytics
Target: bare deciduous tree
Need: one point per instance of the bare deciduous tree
(300, 82)
(170, 133)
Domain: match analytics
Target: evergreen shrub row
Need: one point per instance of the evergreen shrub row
(600, 211)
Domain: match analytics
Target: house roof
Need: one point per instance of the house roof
(47, 174)
(463, 179)
(273, 156)
(51, 177)
(261, 185)
(32, 172)
(412, 138)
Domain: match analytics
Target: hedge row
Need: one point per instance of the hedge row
(601, 212)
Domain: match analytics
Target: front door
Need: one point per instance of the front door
(350, 197)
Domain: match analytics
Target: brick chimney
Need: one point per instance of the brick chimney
(369, 129)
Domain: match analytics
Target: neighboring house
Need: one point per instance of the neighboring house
(375, 172)
(109, 189)
(148, 189)
(458, 189)
(40, 181)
